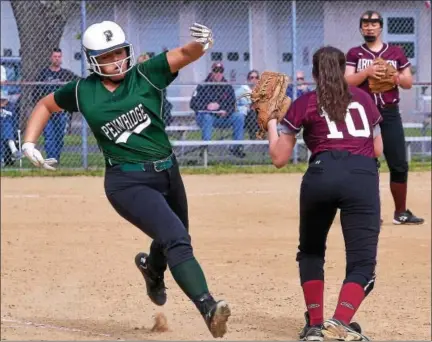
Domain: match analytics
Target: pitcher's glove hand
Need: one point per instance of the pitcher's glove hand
(386, 82)
(269, 99)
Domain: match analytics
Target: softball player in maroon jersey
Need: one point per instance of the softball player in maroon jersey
(341, 129)
(359, 68)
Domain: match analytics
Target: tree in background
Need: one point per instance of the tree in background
(40, 28)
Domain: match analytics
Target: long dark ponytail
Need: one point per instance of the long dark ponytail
(333, 94)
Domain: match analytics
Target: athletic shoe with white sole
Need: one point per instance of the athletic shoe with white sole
(407, 217)
(215, 314)
(336, 330)
(311, 333)
(155, 283)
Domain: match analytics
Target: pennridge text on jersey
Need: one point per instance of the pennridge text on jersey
(126, 123)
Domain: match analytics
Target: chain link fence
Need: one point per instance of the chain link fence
(38, 37)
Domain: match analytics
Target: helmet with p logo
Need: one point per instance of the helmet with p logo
(104, 37)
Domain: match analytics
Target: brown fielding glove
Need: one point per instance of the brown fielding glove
(386, 82)
(269, 99)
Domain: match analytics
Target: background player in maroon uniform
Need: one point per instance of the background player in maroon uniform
(359, 68)
(340, 128)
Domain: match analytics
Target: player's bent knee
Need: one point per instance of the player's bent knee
(362, 273)
(178, 250)
(399, 172)
(399, 176)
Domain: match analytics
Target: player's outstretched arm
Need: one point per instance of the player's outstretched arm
(280, 147)
(37, 122)
(182, 56)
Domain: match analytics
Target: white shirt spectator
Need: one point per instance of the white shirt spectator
(3, 77)
(243, 104)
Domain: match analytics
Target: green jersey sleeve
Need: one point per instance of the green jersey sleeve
(65, 97)
(157, 71)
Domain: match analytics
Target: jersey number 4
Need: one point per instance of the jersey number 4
(364, 133)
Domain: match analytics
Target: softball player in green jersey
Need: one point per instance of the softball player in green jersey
(122, 103)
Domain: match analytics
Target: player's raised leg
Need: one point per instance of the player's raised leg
(317, 212)
(153, 277)
(153, 265)
(360, 219)
(145, 207)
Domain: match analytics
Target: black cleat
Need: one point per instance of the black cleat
(407, 217)
(356, 327)
(215, 314)
(311, 333)
(155, 283)
(336, 330)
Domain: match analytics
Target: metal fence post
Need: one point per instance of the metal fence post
(83, 74)
(294, 64)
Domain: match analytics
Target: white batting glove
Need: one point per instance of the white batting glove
(36, 158)
(202, 34)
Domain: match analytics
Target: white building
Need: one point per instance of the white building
(249, 34)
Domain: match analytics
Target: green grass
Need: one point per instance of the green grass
(68, 160)
(220, 169)
(76, 140)
(415, 132)
(256, 162)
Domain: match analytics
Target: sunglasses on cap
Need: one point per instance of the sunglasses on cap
(218, 69)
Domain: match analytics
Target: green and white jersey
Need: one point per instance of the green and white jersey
(127, 123)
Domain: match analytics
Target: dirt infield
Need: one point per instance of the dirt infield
(67, 269)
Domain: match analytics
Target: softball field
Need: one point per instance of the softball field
(68, 272)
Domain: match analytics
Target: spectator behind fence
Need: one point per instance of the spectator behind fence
(3, 75)
(214, 105)
(55, 129)
(167, 106)
(302, 88)
(3, 79)
(244, 103)
(8, 150)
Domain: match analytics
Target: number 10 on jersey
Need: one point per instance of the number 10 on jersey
(349, 122)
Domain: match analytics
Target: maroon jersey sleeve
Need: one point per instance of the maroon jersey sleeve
(293, 120)
(402, 60)
(352, 57)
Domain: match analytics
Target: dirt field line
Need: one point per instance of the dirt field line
(22, 325)
(203, 194)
